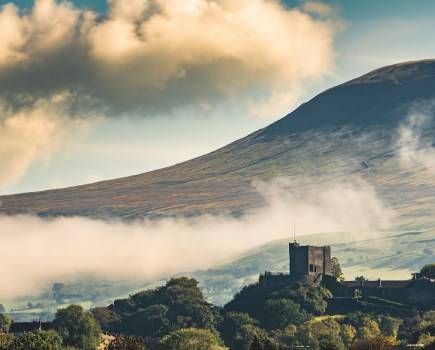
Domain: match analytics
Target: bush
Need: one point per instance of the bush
(190, 339)
(42, 340)
(379, 342)
(126, 343)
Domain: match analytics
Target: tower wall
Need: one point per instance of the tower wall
(298, 259)
(309, 260)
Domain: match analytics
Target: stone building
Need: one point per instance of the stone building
(308, 264)
(311, 265)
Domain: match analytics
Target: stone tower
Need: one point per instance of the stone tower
(309, 260)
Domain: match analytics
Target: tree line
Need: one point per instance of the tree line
(176, 316)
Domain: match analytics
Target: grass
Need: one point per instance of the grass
(322, 318)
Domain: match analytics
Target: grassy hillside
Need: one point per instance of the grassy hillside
(347, 132)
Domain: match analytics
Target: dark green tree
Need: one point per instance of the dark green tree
(330, 344)
(246, 335)
(263, 342)
(126, 343)
(42, 340)
(2, 308)
(336, 270)
(106, 318)
(388, 325)
(77, 328)
(283, 312)
(149, 322)
(360, 279)
(191, 314)
(154, 313)
(5, 323)
(428, 271)
(232, 324)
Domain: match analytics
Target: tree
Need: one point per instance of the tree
(428, 271)
(42, 340)
(190, 339)
(347, 334)
(336, 270)
(105, 317)
(232, 324)
(282, 312)
(379, 342)
(317, 334)
(5, 323)
(330, 344)
(389, 325)
(263, 342)
(149, 322)
(246, 335)
(192, 314)
(365, 326)
(77, 327)
(126, 343)
(2, 308)
(57, 291)
(360, 279)
(6, 341)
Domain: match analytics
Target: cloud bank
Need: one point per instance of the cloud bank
(61, 249)
(151, 56)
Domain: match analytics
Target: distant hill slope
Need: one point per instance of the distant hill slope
(347, 131)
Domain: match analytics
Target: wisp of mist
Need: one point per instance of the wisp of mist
(36, 251)
(415, 148)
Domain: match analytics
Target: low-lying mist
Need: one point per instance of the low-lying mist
(36, 251)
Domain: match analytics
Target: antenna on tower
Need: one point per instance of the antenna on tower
(294, 230)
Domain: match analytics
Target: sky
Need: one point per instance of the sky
(93, 90)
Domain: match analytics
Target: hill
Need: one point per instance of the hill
(349, 131)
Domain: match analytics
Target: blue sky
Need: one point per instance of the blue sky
(373, 34)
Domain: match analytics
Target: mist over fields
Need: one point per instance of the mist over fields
(69, 248)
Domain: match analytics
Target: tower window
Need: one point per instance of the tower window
(311, 268)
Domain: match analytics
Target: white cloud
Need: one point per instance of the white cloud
(34, 133)
(157, 56)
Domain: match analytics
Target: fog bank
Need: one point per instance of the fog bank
(37, 252)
